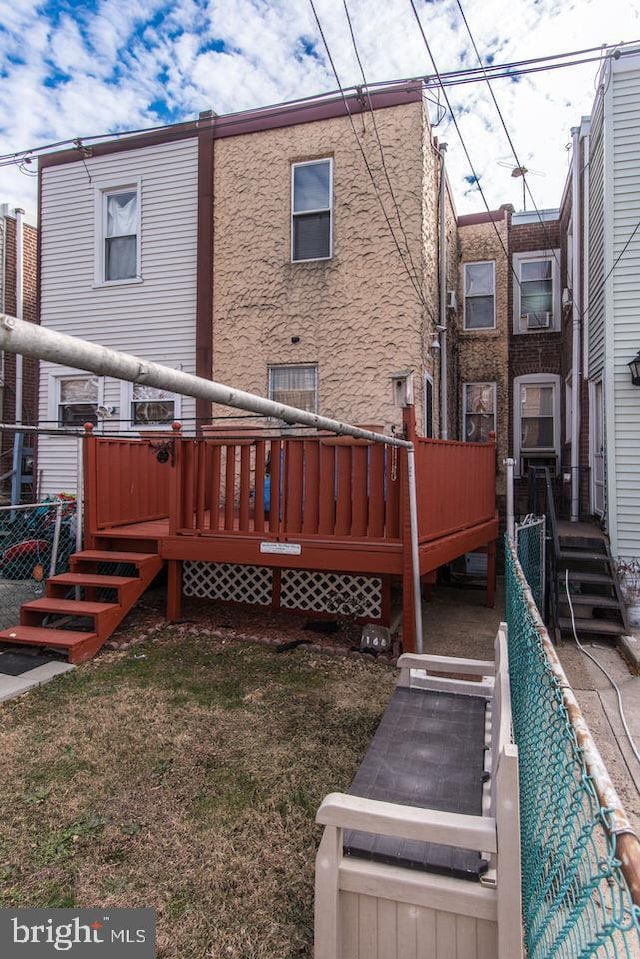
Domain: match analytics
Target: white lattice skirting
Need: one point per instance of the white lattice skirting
(300, 589)
(229, 581)
(331, 593)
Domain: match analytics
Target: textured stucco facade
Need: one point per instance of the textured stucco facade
(483, 355)
(357, 315)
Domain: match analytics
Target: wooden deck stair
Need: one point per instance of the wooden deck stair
(59, 620)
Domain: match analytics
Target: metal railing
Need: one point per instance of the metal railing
(580, 855)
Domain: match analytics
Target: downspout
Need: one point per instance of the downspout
(575, 361)
(442, 215)
(585, 249)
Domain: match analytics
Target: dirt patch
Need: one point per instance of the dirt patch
(184, 774)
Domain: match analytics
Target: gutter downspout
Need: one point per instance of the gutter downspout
(442, 215)
(576, 379)
(585, 249)
(16, 465)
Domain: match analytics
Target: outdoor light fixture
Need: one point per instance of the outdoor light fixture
(634, 366)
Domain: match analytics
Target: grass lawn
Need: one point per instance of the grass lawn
(184, 774)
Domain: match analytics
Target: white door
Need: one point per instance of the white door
(596, 448)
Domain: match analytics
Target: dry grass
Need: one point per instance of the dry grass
(186, 780)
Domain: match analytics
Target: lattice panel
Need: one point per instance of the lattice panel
(229, 581)
(331, 592)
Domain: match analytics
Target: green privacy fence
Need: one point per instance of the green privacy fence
(576, 896)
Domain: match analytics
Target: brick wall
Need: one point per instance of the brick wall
(30, 313)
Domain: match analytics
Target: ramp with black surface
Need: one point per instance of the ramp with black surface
(428, 751)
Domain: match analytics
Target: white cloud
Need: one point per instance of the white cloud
(106, 66)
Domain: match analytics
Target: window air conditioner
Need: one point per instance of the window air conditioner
(537, 321)
(452, 300)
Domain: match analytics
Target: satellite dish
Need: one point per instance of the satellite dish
(520, 171)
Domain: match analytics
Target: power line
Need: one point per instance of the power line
(510, 69)
(377, 135)
(413, 280)
(508, 135)
(462, 142)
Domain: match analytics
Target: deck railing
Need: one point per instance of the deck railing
(287, 486)
(124, 482)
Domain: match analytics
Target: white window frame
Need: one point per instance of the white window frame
(294, 366)
(535, 379)
(465, 387)
(477, 329)
(552, 256)
(100, 194)
(294, 166)
(126, 404)
(68, 373)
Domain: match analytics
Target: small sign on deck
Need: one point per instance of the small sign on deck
(290, 549)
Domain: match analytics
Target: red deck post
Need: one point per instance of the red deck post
(174, 590)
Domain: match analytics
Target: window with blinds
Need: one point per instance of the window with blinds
(311, 210)
(295, 386)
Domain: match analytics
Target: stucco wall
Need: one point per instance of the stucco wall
(357, 315)
(483, 355)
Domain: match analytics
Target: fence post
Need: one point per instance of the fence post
(87, 500)
(174, 571)
(56, 540)
(510, 463)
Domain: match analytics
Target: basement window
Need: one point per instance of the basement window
(311, 210)
(295, 386)
(77, 400)
(151, 406)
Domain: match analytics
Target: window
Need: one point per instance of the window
(479, 296)
(77, 400)
(311, 210)
(294, 386)
(151, 406)
(117, 235)
(479, 411)
(536, 400)
(536, 295)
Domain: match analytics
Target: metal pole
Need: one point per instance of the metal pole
(415, 549)
(56, 541)
(79, 494)
(510, 463)
(17, 336)
(444, 386)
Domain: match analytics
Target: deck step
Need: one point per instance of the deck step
(583, 556)
(113, 556)
(67, 607)
(91, 579)
(601, 627)
(42, 636)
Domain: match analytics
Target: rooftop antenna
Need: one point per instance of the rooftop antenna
(520, 171)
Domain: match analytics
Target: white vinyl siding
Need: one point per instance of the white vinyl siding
(622, 306)
(155, 318)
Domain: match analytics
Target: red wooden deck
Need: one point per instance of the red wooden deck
(340, 503)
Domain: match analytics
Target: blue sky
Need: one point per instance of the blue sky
(78, 67)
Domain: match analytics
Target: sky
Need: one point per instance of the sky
(73, 68)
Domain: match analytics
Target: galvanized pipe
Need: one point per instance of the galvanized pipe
(511, 521)
(576, 379)
(16, 336)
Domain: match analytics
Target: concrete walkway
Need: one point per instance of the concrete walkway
(457, 623)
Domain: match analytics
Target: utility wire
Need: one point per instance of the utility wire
(508, 135)
(413, 280)
(448, 78)
(463, 144)
(377, 135)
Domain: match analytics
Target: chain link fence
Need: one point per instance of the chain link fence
(530, 545)
(36, 541)
(576, 898)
